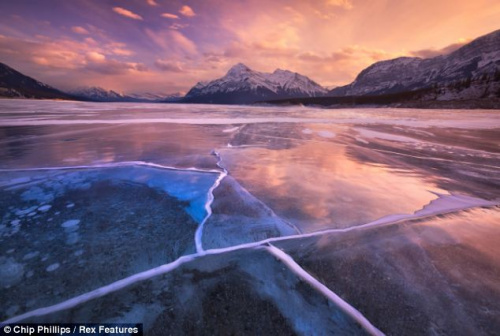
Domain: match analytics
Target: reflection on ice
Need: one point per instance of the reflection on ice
(438, 275)
(317, 186)
(250, 219)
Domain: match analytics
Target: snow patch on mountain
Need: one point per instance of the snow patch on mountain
(241, 80)
(472, 61)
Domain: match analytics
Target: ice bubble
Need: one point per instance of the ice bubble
(71, 229)
(31, 255)
(70, 205)
(78, 253)
(53, 267)
(72, 238)
(11, 272)
(15, 222)
(25, 211)
(37, 194)
(70, 223)
(44, 208)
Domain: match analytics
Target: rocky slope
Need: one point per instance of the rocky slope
(477, 63)
(14, 84)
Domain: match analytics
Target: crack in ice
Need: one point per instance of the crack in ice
(113, 165)
(467, 203)
(208, 205)
(325, 291)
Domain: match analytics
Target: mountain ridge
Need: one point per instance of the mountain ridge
(242, 85)
(476, 58)
(14, 84)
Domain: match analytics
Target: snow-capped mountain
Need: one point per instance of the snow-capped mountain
(242, 85)
(472, 61)
(14, 84)
(156, 96)
(99, 94)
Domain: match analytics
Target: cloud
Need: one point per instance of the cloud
(152, 2)
(345, 4)
(41, 61)
(177, 26)
(173, 41)
(187, 11)
(94, 56)
(114, 67)
(127, 13)
(429, 53)
(80, 30)
(99, 63)
(183, 42)
(170, 16)
(168, 66)
(121, 52)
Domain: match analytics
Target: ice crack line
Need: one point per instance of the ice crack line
(208, 205)
(467, 203)
(113, 165)
(313, 282)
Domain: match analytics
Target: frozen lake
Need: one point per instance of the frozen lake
(250, 220)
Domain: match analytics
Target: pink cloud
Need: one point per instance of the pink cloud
(127, 13)
(168, 66)
(122, 52)
(173, 41)
(80, 30)
(187, 11)
(94, 56)
(170, 16)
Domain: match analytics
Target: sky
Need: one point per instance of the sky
(167, 46)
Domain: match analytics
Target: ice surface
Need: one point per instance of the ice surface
(438, 275)
(250, 219)
(113, 209)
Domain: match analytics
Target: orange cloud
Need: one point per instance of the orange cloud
(187, 11)
(80, 30)
(170, 16)
(127, 13)
(122, 52)
(345, 4)
(94, 56)
(152, 2)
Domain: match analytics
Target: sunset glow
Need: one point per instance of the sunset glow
(168, 46)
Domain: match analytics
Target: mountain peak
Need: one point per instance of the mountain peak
(281, 71)
(242, 85)
(238, 69)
